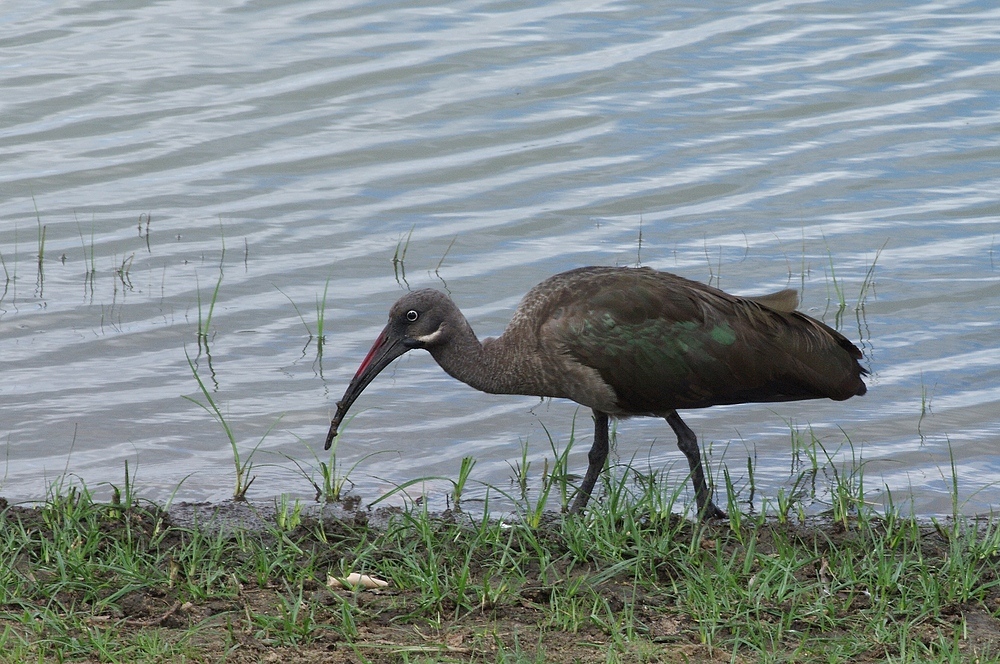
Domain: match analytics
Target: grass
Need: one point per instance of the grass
(628, 582)
(328, 476)
(88, 259)
(925, 408)
(145, 219)
(6, 278)
(41, 243)
(437, 270)
(321, 318)
(205, 321)
(554, 481)
(399, 258)
(839, 294)
(320, 335)
(124, 272)
(243, 463)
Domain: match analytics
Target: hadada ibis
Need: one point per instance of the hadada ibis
(627, 342)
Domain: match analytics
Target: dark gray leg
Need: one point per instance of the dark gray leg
(688, 444)
(597, 456)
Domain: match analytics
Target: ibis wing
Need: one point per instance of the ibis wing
(662, 342)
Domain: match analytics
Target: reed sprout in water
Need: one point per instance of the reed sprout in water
(333, 481)
(242, 464)
(321, 318)
(320, 334)
(399, 257)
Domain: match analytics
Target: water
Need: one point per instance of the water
(295, 148)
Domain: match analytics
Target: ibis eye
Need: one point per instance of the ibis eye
(412, 315)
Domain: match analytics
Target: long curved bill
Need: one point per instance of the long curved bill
(385, 349)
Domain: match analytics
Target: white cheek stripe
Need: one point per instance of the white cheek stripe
(430, 338)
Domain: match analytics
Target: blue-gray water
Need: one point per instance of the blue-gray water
(300, 145)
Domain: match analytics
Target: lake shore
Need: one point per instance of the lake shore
(130, 581)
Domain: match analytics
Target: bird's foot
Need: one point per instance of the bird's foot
(710, 512)
(580, 503)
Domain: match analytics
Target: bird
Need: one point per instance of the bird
(628, 342)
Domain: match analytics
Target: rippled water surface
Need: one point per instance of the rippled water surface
(173, 167)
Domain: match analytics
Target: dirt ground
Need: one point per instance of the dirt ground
(473, 637)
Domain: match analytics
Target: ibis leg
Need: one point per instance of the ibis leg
(596, 457)
(688, 444)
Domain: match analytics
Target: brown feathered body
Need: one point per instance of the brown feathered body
(628, 341)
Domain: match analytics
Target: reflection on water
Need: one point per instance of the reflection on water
(182, 181)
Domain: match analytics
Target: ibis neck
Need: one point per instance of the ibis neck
(497, 366)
